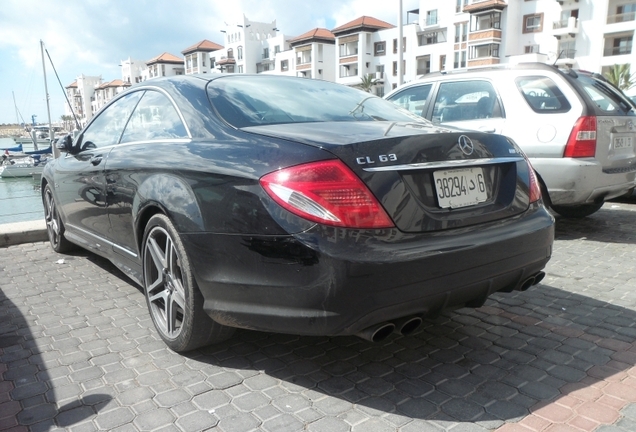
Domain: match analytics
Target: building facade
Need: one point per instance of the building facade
(80, 95)
(437, 36)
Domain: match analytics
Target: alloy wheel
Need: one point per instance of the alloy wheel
(164, 282)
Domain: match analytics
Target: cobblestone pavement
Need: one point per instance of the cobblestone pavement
(78, 352)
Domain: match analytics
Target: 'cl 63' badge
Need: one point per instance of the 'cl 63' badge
(365, 160)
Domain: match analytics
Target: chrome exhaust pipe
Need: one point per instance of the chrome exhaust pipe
(538, 277)
(407, 325)
(527, 284)
(377, 333)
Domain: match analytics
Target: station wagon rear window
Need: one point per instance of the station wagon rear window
(542, 94)
(604, 97)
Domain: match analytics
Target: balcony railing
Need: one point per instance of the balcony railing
(624, 17)
(431, 21)
(565, 23)
(422, 71)
(567, 53)
(614, 51)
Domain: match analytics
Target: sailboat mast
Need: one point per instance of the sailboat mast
(46, 90)
(17, 118)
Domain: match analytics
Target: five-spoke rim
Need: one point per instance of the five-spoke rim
(164, 282)
(50, 216)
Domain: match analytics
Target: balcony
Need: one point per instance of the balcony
(567, 26)
(484, 5)
(568, 53)
(619, 18)
(616, 51)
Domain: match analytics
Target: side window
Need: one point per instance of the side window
(107, 128)
(154, 118)
(604, 96)
(466, 100)
(542, 94)
(413, 98)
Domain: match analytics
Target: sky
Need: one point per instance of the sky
(92, 37)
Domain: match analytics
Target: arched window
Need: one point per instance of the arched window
(230, 53)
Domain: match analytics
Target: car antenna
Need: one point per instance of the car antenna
(62, 87)
(558, 57)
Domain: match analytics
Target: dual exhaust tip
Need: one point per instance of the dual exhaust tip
(379, 332)
(407, 325)
(533, 280)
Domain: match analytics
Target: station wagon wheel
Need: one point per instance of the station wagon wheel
(174, 301)
(54, 226)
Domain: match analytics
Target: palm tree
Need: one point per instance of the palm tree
(67, 121)
(367, 82)
(620, 75)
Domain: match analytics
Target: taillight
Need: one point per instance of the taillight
(535, 189)
(326, 192)
(582, 140)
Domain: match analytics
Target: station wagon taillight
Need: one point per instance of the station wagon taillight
(582, 140)
(327, 192)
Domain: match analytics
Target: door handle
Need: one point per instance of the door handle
(96, 160)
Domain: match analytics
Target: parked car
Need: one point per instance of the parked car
(578, 131)
(292, 205)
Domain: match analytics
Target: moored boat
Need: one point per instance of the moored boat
(23, 167)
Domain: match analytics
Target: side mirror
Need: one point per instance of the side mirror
(65, 144)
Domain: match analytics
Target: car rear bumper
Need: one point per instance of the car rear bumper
(336, 281)
(579, 181)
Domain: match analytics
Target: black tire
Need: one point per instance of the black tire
(174, 301)
(577, 211)
(54, 225)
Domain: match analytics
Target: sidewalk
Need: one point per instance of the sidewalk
(22, 232)
(78, 352)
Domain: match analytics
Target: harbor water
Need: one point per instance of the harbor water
(20, 199)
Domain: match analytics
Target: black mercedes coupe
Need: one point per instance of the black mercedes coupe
(294, 205)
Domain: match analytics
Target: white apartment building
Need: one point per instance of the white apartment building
(80, 95)
(165, 64)
(461, 34)
(201, 57)
(250, 47)
(438, 36)
(105, 92)
(313, 54)
(132, 70)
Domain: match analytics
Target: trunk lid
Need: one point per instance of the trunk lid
(419, 172)
(615, 124)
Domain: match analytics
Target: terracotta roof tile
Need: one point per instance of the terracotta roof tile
(72, 85)
(204, 45)
(165, 58)
(317, 33)
(363, 21)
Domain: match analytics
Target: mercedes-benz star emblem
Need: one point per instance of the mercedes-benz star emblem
(466, 145)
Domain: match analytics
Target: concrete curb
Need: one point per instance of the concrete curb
(22, 232)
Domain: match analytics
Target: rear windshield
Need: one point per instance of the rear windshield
(542, 94)
(258, 100)
(604, 97)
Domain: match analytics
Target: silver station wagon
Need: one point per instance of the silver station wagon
(577, 129)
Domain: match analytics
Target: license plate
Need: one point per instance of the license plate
(460, 187)
(622, 142)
